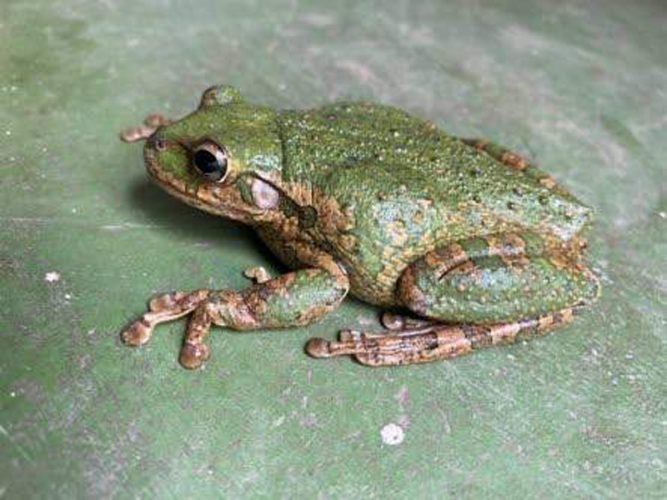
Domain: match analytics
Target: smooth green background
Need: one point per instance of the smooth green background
(579, 86)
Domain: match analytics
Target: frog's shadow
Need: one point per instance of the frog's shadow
(190, 224)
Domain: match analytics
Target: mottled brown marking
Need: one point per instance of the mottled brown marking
(432, 259)
(408, 292)
(468, 267)
(332, 219)
(431, 341)
(513, 160)
(545, 322)
(559, 261)
(477, 143)
(452, 255)
(347, 242)
(516, 261)
(548, 182)
(506, 245)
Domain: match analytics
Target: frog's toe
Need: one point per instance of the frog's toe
(193, 355)
(156, 120)
(318, 348)
(392, 321)
(137, 333)
(165, 301)
(151, 123)
(134, 134)
(258, 274)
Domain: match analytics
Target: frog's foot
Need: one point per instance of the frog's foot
(162, 308)
(151, 123)
(432, 342)
(257, 274)
(194, 351)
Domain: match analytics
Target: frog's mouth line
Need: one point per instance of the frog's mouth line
(216, 199)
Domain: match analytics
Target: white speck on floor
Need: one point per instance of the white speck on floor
(392, 434)
(51, 277)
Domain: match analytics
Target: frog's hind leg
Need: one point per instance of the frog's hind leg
(496, 279)
(515, 162)
(473, 293)
(434, 342)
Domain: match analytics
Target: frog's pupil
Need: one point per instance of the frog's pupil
(209, 165)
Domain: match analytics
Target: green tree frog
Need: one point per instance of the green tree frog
(469, 244)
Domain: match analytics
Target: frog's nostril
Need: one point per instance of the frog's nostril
(157, 143)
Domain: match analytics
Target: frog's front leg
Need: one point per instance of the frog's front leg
(151, 123)
(293, 299)
(479, 292)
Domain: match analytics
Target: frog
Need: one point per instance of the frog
(463, 243)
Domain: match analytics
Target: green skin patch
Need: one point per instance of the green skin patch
(368, 199)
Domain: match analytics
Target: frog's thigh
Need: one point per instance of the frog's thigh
(499, 278)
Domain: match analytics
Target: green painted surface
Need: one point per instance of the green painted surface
(578, 86)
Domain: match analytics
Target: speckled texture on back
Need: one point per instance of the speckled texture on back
(405, 187)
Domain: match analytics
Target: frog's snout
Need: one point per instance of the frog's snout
(156, 142)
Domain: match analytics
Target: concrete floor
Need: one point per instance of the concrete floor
(84, 240)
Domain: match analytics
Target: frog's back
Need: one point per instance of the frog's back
(389, 187)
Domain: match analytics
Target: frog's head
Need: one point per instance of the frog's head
(217, 157)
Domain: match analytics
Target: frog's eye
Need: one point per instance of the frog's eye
(211, 160)
(219, 95)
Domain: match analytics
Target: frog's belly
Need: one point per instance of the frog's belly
(375, 289)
